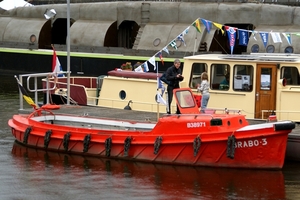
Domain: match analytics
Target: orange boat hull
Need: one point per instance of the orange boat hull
(171, 141)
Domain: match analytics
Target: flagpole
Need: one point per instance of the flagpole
(195, 44)
(157, 90)
(68, 52)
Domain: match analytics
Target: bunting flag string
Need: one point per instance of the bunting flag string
(233, 33)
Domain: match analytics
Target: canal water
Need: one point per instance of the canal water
(28, 174)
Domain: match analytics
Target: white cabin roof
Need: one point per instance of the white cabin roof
(261, 57)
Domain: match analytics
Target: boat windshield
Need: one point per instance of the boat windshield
(185, 99)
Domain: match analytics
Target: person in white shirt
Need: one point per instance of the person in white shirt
(204, 89)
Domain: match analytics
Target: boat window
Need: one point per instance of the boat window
(243, 78)
(197, 69)
(291, 74)
(185, 99)
(220, 77)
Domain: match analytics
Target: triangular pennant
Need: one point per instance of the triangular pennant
(173, 44)
(288, 37)
(180, 38)
(219, 26)
(159, 54)
(165, 49)
(243, 37)
(207, 24)
(276, 37)
(231, 33)
(185, 31)
(264, 37)
(152, 62)
(160, 99)
(196, 24)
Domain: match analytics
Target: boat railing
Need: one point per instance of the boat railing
(274, 112)
(36, 86)
(91, 86)
(224, 111)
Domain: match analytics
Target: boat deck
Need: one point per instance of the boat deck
(104, 112)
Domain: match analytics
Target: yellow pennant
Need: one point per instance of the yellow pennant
(219, 26)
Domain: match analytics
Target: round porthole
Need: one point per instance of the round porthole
(122, 94)
(289, 49)
(156, 42)
(255, 48)
(32, 38)
(270, 49)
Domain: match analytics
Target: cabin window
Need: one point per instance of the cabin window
(291, 74)
(243, 78)
(197, 69)
(220, 77)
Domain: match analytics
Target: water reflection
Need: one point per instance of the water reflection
(90, 176)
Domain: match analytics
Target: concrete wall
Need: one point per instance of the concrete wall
(166, 20)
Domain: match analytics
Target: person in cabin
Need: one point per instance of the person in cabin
(174, 76)
(204, 89)
(224, 85)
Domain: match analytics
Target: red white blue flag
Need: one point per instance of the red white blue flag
(231, 32)
(56, 66)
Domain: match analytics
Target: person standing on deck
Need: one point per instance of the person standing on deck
(204, 89)
(173, 75)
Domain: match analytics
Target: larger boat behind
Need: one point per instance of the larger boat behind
(259, 85)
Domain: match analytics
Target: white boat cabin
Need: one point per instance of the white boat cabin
(258, 84)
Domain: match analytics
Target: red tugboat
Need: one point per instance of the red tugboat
(191, 138)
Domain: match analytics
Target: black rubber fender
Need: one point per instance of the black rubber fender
(284, 126)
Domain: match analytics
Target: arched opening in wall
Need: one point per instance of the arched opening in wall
(54, 33)
(111, 37)
(59, 31)
(127, 34)
(221, 43)
(45, 36)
